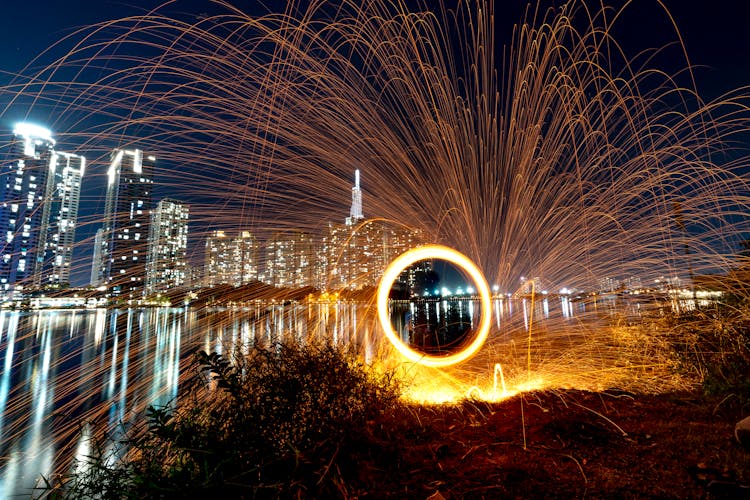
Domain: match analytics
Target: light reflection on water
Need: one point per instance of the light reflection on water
(67, 375)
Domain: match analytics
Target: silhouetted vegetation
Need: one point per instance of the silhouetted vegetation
(281, 421)
(315, 422)
(714, 344)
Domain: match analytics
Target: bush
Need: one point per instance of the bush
(281, 421)
(714, 344)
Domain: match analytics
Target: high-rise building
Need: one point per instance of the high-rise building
(59, 220)
(632, 283)
(607, 284)
(167, 254)
(246, 257)
(231, 261)
(289, 260)
(347, 247)
(96, 261)
(354, 255)
(126, 222)
(355, 212)
(218, 259)
(23, 183)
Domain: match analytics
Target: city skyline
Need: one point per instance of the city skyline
(250, 174)
(243, 206)
(140, 249)
(349, 255)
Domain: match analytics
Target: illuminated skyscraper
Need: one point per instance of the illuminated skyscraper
(96, 261)
(289, 259)
(231, 261)
(355, 212)
(167, 263)
(246, 257)
(23, 183)
(349, 249)
(354, 255)
(126, 222)
(59, 220)
(607, 284)
(218, 259)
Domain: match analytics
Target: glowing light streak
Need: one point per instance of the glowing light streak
(428, 252)
(565, 169)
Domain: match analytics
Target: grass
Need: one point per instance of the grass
(282, 421)
(293, 421)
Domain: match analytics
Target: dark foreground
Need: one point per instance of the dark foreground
(313, 422)
(577, 444)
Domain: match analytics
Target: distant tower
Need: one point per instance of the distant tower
(219, 260)
(23, 184)
(126, 222)
(59, 220)
(96, 261)
(246, 257)
(167, 255)
(355, 213)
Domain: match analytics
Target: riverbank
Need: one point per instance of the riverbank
(567, 444)
(550, 444)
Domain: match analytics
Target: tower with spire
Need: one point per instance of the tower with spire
(355, 213)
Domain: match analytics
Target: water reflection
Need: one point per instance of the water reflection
(434, 326)
(62, 367)
(69, 375)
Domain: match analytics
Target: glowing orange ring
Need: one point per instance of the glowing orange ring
(434, 252)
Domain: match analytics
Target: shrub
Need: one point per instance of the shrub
(281, 421)
(715, 345)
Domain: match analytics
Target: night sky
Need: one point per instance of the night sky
(715, 33)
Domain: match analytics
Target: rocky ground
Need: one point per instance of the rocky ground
(567, 444)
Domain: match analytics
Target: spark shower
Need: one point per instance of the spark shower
(558, 156)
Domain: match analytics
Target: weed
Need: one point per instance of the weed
(285, 420)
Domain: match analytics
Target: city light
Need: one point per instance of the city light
(36, 131)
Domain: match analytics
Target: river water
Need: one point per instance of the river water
(66, 374)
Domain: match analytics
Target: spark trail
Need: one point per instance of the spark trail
(560, 157)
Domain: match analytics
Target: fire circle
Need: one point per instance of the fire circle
(454, 257)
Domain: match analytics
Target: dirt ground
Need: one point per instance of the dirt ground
(567, 444)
